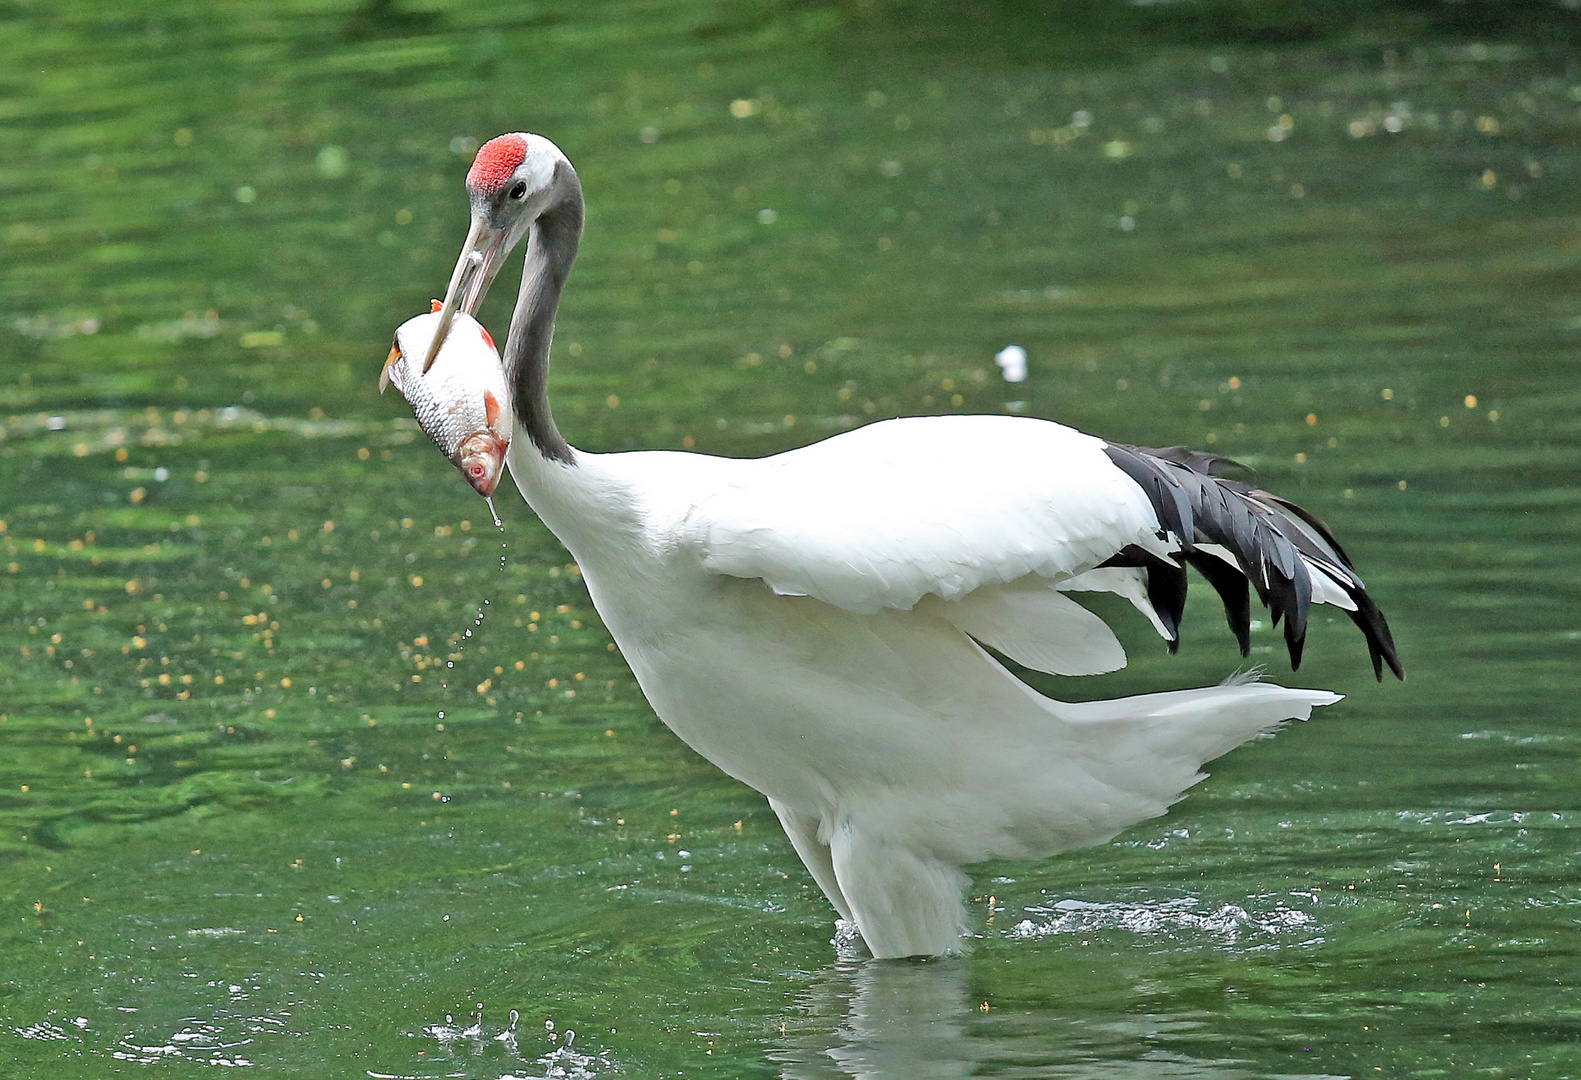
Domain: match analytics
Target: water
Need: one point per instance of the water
(232, 828)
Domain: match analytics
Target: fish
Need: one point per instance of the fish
(462, 402)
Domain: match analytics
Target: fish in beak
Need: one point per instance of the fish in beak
(460, 399)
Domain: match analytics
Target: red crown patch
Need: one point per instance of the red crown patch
(497, 159)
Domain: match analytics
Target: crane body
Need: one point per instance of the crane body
(822, 624)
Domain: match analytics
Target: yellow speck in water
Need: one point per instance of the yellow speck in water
(1235, 382)
(1471, 401)
(1443, 421)
(1301, 459)
(285, 684)
(613, 401)
(1311, 419)
(1489, 178)
(1388, 395)
(1493, 414)
(1401, 485)
(417, 581)
(673, 813)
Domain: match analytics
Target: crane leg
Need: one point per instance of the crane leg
(803, 832)
(904, 903)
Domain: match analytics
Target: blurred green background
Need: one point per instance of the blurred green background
(1335, 241)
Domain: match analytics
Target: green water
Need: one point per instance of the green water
(233, 826)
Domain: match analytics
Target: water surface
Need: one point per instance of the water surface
(234, 828)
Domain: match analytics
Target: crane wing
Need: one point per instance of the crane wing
(989, 519)
(975, 516)
(887, 514)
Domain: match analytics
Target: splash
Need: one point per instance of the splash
(1183, 919)
(563, 1060)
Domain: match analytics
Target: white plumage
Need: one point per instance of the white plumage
(814, 623)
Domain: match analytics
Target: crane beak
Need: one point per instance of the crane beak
(481, 258)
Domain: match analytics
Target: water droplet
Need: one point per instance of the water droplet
(441, 714)
(450, 663)
(515, 1016)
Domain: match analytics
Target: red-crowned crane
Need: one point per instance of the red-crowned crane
(818, 623)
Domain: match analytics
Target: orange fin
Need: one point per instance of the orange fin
(491, 408)
(434, 305)
(389, 375)
(488, 337)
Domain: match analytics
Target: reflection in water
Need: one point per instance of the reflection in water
(913, 1020)
(904, 1019)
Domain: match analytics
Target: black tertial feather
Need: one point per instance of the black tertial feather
(1166, 587)
(1230, 584)
(1277, 545)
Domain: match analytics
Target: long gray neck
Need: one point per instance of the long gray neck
(551, 249)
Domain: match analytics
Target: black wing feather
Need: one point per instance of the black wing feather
(1276, 544)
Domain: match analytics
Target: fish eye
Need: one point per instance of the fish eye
(520, 190)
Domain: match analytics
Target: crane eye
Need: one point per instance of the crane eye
(520, 190)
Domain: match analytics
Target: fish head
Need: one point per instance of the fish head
(481, 459)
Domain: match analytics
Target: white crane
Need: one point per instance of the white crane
(819, 623)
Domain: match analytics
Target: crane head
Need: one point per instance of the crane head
(512, 181)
